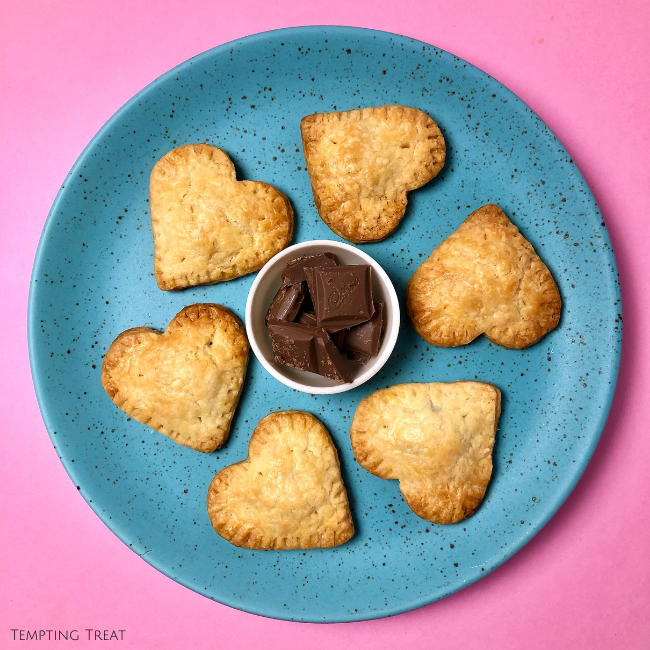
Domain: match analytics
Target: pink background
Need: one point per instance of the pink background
(583, 65)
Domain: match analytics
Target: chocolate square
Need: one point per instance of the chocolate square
(330, 362)
(294, 271)
(342, 295)
(366, 338)
(307, 348)
(287, 302)
(294, 345)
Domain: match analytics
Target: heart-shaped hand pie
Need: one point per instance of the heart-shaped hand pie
(288, 493)
(483, 279)
(436, 439)
(362, 163)
(184, 383)
(207, 226)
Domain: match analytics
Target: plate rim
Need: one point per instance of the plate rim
(405, 606)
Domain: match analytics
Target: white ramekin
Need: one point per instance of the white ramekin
(265, 287)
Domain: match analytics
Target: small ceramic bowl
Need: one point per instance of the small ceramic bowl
(265, 287)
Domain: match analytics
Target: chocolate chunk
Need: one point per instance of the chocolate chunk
(342, 295)
(311, 285)
(307, 348)
(287, 302)
(330, 362)
(294, 345)
(295, 271)
(366, 338)
(359, 357)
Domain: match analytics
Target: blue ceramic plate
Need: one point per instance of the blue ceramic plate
(93, 279)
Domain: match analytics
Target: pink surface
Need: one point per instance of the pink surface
(583, 65)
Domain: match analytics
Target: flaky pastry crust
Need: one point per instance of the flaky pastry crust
(184, 383)
(207, 226)
(362, 163)
(436, 439)
(288, 493)
(483, 279)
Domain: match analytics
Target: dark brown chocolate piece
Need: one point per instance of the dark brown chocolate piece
(295, 270)
(294, 345)
(287, 302)
(359, 357)
(330, 362)
(366, 338)
(342, 296)
(307, 348)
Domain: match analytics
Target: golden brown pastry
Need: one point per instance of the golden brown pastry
(288, 493)
(184, 383)
(436, 439)
(363, 162)
(483, 279)
(207, 226)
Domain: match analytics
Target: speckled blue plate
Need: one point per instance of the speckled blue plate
(93, 279)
